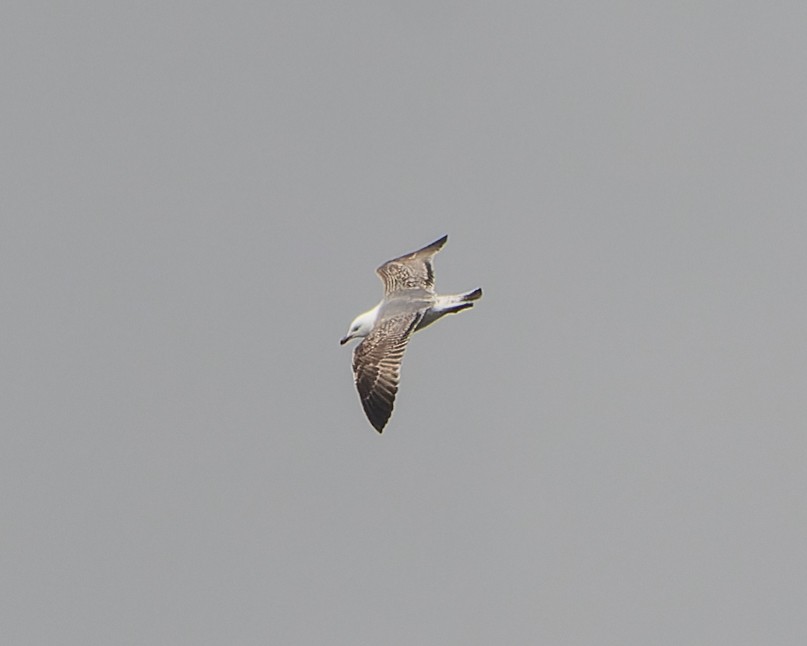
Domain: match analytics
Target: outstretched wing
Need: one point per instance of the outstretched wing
(412, 271)
(377, 365)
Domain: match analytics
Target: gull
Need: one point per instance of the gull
(409, 305)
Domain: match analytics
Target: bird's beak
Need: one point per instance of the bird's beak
(344, 340)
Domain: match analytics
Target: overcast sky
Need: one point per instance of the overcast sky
(608, 449)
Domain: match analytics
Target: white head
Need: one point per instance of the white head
(362, 325)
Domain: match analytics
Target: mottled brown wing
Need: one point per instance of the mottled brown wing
(412, 271)
(377, 366)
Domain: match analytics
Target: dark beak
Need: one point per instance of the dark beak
(344, 340)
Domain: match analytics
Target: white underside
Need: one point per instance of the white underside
(443, 304)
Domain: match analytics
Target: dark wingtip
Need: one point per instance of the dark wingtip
(474, 295)
(377, 414)
(435, 246)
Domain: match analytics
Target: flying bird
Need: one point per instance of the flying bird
(409, 305)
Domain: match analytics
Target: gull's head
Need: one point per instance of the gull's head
(362, 325)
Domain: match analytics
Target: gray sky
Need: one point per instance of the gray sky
(608, 449)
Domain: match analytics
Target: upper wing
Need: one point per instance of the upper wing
(412, 271)
(377, 365)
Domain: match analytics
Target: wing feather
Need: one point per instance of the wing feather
(377, 365)
(411, 271)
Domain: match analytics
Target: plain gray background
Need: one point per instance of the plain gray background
(608, 449)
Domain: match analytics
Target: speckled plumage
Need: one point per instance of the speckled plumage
(409, 304)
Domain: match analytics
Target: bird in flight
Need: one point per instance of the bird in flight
(409, 304)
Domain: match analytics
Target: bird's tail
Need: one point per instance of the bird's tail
(473, 296)
(458, 302)
(449, 304)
